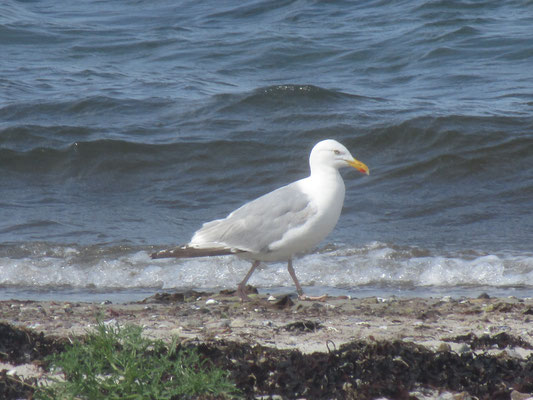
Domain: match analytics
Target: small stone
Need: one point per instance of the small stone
(462, 396)
(237, 323)
(210, 302)
(516, 395)
(464, 349)
(444, 347)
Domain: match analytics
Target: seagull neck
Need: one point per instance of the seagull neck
(324, 172)
(326, 187)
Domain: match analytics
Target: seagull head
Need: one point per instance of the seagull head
(333, 154)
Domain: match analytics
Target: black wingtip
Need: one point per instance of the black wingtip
(192, 252)
(167, 253)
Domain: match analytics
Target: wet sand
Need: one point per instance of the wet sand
(491, 327)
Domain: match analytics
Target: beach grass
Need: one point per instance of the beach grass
(118, 362)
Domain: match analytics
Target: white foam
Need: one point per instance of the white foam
(375, 264)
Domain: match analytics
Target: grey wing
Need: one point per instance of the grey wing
(259, 223)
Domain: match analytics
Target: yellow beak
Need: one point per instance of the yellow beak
(359, 166)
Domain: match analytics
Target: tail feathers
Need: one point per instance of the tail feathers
(191, 252)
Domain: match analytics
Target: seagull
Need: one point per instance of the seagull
(281, 224)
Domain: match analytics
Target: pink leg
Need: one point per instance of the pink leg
(241, 289)
(294, 278)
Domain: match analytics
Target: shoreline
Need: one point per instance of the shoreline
(483, 326)
(204, 316)
(130, 295)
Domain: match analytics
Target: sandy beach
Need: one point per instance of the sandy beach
(464, 329)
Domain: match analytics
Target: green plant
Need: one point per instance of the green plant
(115, 362)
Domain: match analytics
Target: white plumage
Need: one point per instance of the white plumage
(281, 224)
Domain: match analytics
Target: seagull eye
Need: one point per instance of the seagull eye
(337, 152)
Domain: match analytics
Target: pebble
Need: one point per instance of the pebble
(464, 349)
(443, 347)
(516, 395)
(210, 302)
(238, 323)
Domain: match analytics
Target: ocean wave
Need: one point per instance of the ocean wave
(436, 148)
(280, 97)
(25, 138)
(41, 265)
(445, 148)
(89, 107)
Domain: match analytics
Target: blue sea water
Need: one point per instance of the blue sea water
(126, 125)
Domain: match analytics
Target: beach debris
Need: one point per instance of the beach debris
(529, 311)
(19, 345)
(233, 292)
(178, 297)
(284, 302)
(358, 369)
(500, 340)
(302, 326)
